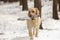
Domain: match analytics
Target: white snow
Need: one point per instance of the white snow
(15, 29)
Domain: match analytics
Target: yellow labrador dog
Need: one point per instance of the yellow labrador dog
(34, 22)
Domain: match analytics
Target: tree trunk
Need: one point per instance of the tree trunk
(55, 13)
(24, 5)
(13, 1)
(37, 4)
(5, 1)
(59, 4)
(20, 2)
(10, 0)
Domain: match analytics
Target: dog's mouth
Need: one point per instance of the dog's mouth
(33, 18)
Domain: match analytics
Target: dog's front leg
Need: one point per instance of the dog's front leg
(31, 34)
(37, 31)
(34, 31)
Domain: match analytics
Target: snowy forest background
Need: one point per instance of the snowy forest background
(13, 29)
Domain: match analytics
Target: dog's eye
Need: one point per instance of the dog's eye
(32, 11)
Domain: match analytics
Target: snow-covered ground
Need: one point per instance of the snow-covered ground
(15, 29)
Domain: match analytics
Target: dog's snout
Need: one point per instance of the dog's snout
(33, 16)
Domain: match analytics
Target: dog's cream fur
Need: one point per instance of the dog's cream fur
(33, 25)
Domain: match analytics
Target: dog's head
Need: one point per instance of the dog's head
(33, 12)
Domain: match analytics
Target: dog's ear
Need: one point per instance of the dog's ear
(37, 11)
(29, 13)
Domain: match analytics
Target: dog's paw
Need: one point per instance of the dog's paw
(31, 38)
(36, 35)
